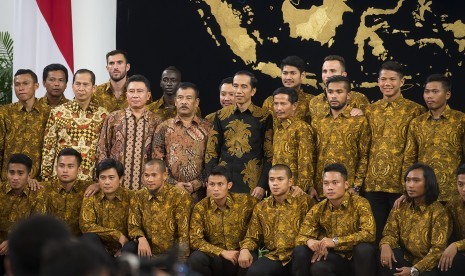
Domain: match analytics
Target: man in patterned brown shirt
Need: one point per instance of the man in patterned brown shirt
(54, 79)
(104, 215)
(275, 222)
(158, 215)
(226, 96)
(292, 75)
(127, 133)
(218, 224)
(337, 234)
(181, 143)
(111, 94)
(416, 233)
(452, 262)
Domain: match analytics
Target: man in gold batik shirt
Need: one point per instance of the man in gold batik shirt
(389, 119)
(218, 224)
(22, 124)
(54, 79)
(158, 215)
(437, 137)
(335, 65)
(104, 215)
(75, 124)
(111, 94)
(226, 96)
(293, 140)
(337, 234)
(65, 193)
(275, 222)
(292, 75)
(452, 262)
(416, 233)
(340, 137)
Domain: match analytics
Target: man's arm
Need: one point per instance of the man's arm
(363, 150)
(214, 143)
(197, 233)
(49, 148)
(104, 141)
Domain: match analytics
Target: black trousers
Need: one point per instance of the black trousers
(381, 205)
(266, 267)
(401, 262)
(362, 263)
(458, 266)
(205, 264)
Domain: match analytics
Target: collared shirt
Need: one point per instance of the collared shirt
(277, 225)
(128, 140)
(293, 145)
(344, 139)
(389, 123)
(183, 149)
(319, 106)
(420, 231)
(22, 131)
(107, 218)
(70, 126)
(44, 101)
(243, 142)
(105, 96)
(352, 223)
(16, 207)
(63, 205)
(303, 106)
(456, 210)
(213, 230)
(439, 144)
(163, 218)
(158, 107)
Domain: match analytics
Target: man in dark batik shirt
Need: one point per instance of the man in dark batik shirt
(241, 139)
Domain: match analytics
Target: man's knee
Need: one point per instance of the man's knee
(301, 252)
(198, 258)
(364, 251)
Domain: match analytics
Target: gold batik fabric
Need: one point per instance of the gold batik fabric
(69, 126)
(158, 107)
(162, 218)
(213, 230)
(319, 105)
(439, 144)
(66, 206)
(293, 145)
(105, 97)
(210, 117)
(344, 139)
(22, 131)
(243, 143)
(276, 225)
(183, 150)
(303, 106)
(420, 231)
(389, 123)
(44, 101)
(456, 210)
(352, 223)
(128, 140)
(107, 218)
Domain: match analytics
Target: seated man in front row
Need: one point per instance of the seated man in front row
(337, 234)
(218, 224)
(275, 222)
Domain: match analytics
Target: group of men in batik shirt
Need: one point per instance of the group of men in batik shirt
(297, 149)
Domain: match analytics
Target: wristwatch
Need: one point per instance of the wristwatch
(336, 241)
(414, 271)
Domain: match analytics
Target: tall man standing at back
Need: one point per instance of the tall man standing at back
(241, 139)
(111, 94)
(54, 79)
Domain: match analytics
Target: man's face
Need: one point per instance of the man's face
(334, 185)
(389, 83)
(337, 95)
(279, 182)
(227, 94)
(17, 176)
(83, 87)
(218, 187)
(55, 83)
(169, 82)
(461, 185)
(67, 169)
(186, 101)
(435, 95)
(331, 68)
(25, 87)
(117, 67)
(109, 181)
(283, 109)
(415, 184)
(154, 178)
(291, 76)
(137, 94)
(243, 89)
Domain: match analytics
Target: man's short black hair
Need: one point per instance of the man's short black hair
(253, 79)
(54, 67)
(282, 167)
(339, 78)
(27, 72)
(138, 78)
(228, 80)
(337, 167)
(461, 170)
(174, 69)
(341, 60)
(393, 66)
(289, 91)
(109, 163)
(295, 61)
(85, 71)
(117, 52)
(221, 171)
(21, 158)
(71, 152)
(185, 85)
(445, 81)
